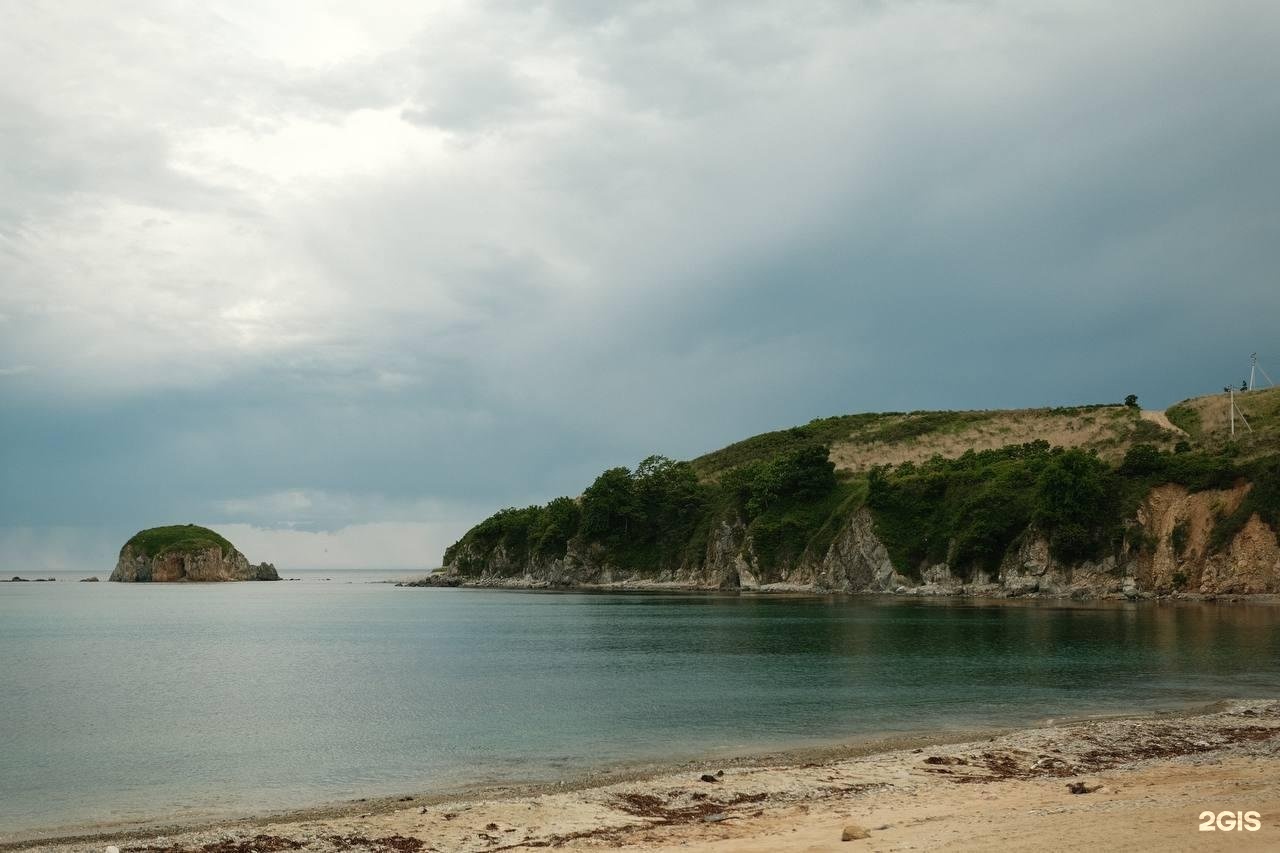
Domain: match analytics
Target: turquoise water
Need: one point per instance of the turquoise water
(128, 702)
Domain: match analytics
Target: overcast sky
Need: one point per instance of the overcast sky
(341, 279)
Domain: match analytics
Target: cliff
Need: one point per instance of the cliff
(1127, 505)
(185, 553)
(858, 562)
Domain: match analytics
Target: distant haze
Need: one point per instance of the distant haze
(340, 280)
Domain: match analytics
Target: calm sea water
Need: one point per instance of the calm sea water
(128, 702)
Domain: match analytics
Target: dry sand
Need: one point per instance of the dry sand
(1154, 778)
(1109, 431)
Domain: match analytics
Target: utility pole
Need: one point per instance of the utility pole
(1231, 396)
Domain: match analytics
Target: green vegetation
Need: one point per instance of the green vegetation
(916, 424)
(659, 516)
(789, 500)
(762, 448)
(1184, 418)
(644, 518)
(970, 511)
(1207, 421)
(181, 538)
(1263, 498)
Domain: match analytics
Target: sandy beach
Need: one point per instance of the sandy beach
(1139, 784)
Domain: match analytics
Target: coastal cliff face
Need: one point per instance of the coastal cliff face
(1082, 501)
(209, 564)
(1173, 555)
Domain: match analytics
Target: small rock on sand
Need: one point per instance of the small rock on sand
(853, 832)
(1087, 786)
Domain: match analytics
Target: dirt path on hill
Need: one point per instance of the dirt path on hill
(1161, 420)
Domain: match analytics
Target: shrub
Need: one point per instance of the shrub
(804, 473)
(1141, 459)
(1071, 504)
(1185, 418)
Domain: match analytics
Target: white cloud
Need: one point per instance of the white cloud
(324, 264)
(400, 546)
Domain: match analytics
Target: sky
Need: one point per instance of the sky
(341, 279)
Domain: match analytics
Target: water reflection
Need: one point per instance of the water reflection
(118, 698)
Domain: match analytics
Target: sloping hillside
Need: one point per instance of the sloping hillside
(860, 442)
(1093, 500)
(1208, 420)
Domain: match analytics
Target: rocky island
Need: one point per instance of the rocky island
(185, 552)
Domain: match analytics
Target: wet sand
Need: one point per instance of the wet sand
(1145, 783)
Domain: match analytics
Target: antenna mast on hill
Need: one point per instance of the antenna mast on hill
(1254, 367)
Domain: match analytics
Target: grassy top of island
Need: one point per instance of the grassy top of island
(960, 487)
(177, 538)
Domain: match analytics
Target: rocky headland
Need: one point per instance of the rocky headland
(185, 553)
(1086, 502)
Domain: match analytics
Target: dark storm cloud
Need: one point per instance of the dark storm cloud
(390, 270)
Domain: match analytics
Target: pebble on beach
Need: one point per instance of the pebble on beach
(853, 832)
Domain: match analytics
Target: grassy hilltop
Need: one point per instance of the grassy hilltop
(177, 538)
(960, 487)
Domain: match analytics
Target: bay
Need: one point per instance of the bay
(136, 702)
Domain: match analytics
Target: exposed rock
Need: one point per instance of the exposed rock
(854, 832)
(160, 556)
(93, 579)
(436, 579)
(1170, 508)
(1250, 565)
(857, 561)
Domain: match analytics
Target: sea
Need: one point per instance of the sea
(126, 703)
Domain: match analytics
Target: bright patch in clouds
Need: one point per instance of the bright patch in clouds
(397, 546)
(347, 278)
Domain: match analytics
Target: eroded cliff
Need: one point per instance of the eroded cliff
(1103, 500)
(858, 561)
